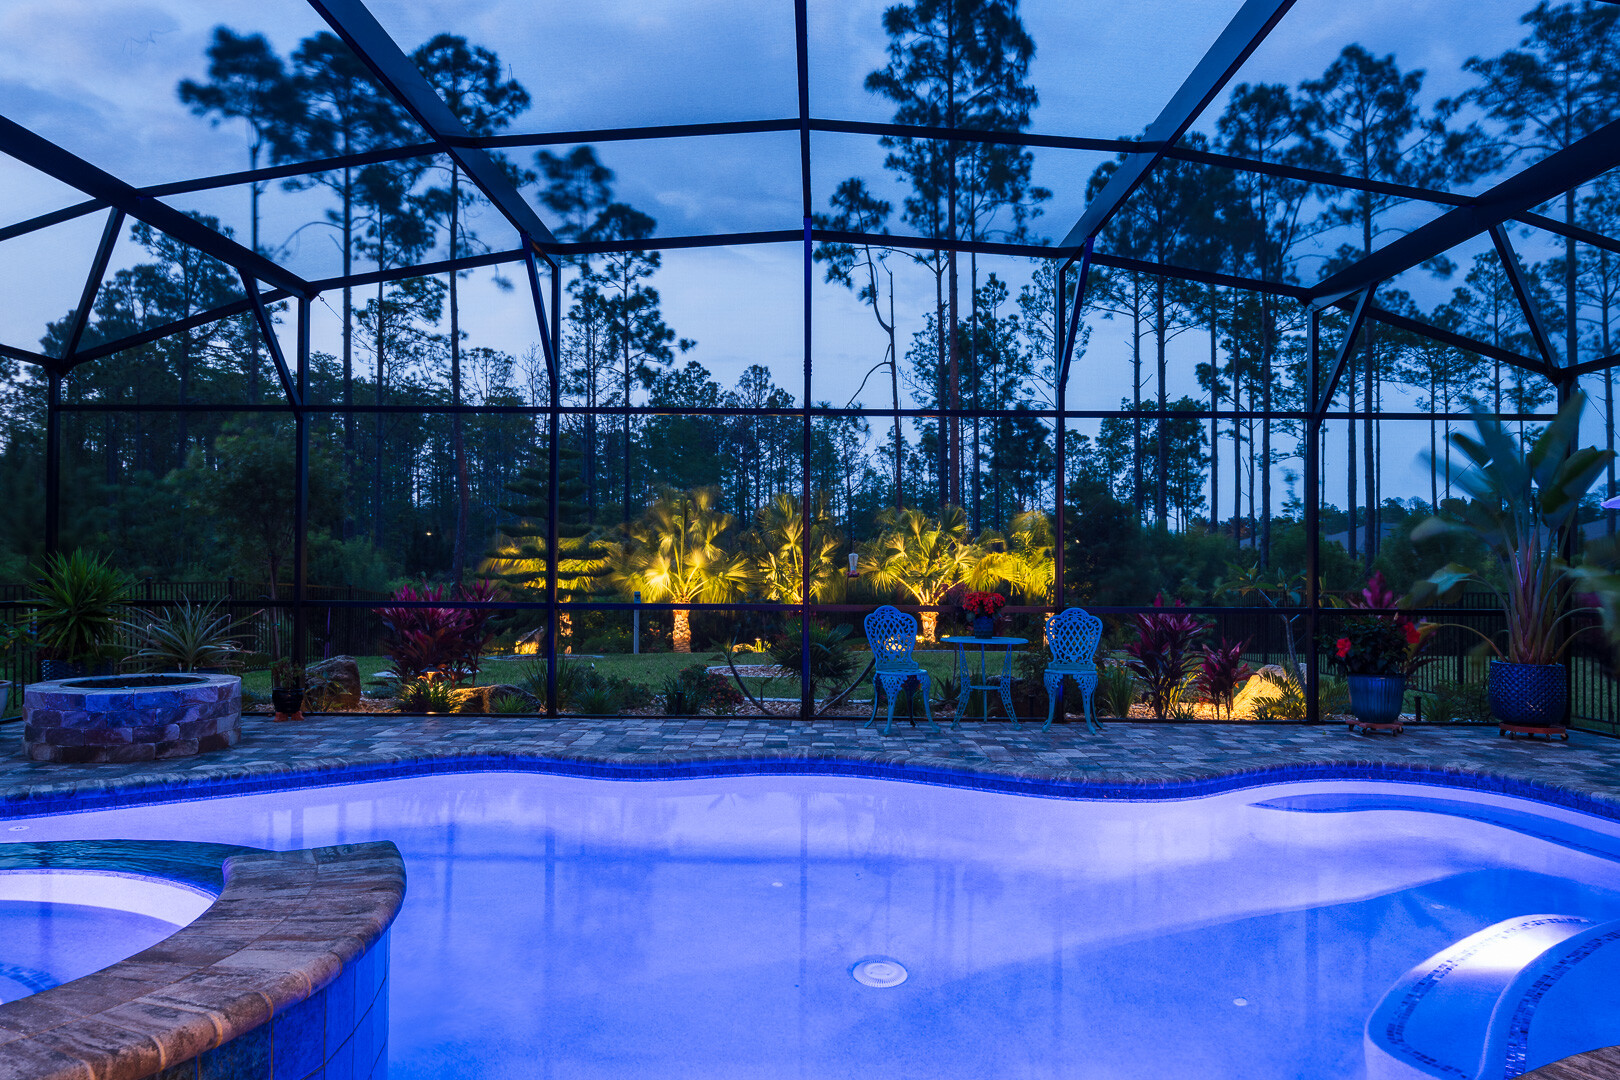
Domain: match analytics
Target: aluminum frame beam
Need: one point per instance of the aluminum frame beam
(92, 284)
(50, 159)
(352, 21)
(1554, 174)
(1241, 37)
(1527, 301)
(1324, 397)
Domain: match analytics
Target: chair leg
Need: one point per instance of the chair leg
(1053, 688)
(893, 694)
(1088, 689)
(873, 718)
(922, 688)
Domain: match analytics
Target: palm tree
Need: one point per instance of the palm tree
(923, 556)
(778, 549)
(1023, 558)
(675, 556)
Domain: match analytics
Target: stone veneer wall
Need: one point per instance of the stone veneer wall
(284, 978)
(79, 723)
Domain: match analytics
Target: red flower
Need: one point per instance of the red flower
(1412, 635)
(1343, 645)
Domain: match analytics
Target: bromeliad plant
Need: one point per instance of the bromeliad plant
(1162, 656)
(1523, 508)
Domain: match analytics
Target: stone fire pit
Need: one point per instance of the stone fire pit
(131, 717)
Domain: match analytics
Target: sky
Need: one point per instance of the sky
(99, 76)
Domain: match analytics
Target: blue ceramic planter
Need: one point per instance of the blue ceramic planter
(1376, 699)
(1529, 695)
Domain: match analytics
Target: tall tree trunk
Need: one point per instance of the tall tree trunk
(973, 366)
(1214, 432)
(377, 449)
(1353, 537)
(1136, 401)
(1161, 455)
(1369, 449)
(1267, 333)
(457, 442)
(894, 393)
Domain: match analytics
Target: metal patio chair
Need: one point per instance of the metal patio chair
(893, 634)
(1073, 635)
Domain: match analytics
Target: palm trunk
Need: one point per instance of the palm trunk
(683, 630)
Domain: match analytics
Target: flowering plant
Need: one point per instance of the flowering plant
(1380, 645)
(983, 603)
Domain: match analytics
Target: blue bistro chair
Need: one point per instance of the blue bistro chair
(893, 634)
(1073, 635)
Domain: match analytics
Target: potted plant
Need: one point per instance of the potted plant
(1376, 653)
(982, 606)
(1523, 509)
(77, 606)
(287, 682)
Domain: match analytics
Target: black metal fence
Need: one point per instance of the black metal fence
(343, 620)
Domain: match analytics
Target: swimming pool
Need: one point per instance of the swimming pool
(564, 927)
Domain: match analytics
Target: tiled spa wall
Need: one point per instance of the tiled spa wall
(338, 1033)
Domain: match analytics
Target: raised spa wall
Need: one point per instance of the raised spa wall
(105, 718)
(285, 977)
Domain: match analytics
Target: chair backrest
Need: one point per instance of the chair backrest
(892, 634)
(1073, 635)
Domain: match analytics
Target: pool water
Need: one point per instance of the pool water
(59, 926)
(567, 928)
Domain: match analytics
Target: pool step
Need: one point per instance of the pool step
(1448, 1016)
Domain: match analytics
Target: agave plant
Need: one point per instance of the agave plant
(184, 638)
(1523, 508)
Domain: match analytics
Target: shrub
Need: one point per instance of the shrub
(425, 695)
(831, 662)
(1459, 703)
(694, 690)
(1222, 672)
(1162, 656)
(446, 642)
(184, 638)
(511, 705)
(1117, 690)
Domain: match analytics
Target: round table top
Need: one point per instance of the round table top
(969, 639)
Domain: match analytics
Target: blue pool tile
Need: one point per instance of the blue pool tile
(246, 1057)
(340, 1063)
(339, 996)
(298, 1039)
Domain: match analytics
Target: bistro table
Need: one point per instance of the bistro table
(1003, 682)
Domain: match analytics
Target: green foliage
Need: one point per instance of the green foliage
(1370, 645)
(694, 690)
(777, 546)
(1285, 698)
(425, 696)
(675, 556)
(1023, 558)
(1524, 507)
(77, 606)
(831, 662)
(512, 705)
(924, 557)
(1117, 690)
(184, 638)
(1458, 703)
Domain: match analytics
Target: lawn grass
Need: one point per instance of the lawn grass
(647, 669)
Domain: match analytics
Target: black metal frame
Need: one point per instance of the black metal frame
(1351, 288)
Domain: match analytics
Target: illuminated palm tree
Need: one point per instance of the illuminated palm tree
(779, 547)
(675, 556)
(1023, 558)
(923, 556)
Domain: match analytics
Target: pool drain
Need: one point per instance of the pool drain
(879, 971)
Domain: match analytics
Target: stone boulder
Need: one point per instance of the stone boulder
(341, 676)
(1263, 684)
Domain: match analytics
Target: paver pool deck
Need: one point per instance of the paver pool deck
(1587, 766)
(1123, 753)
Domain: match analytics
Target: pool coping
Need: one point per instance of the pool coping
(285, 925)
